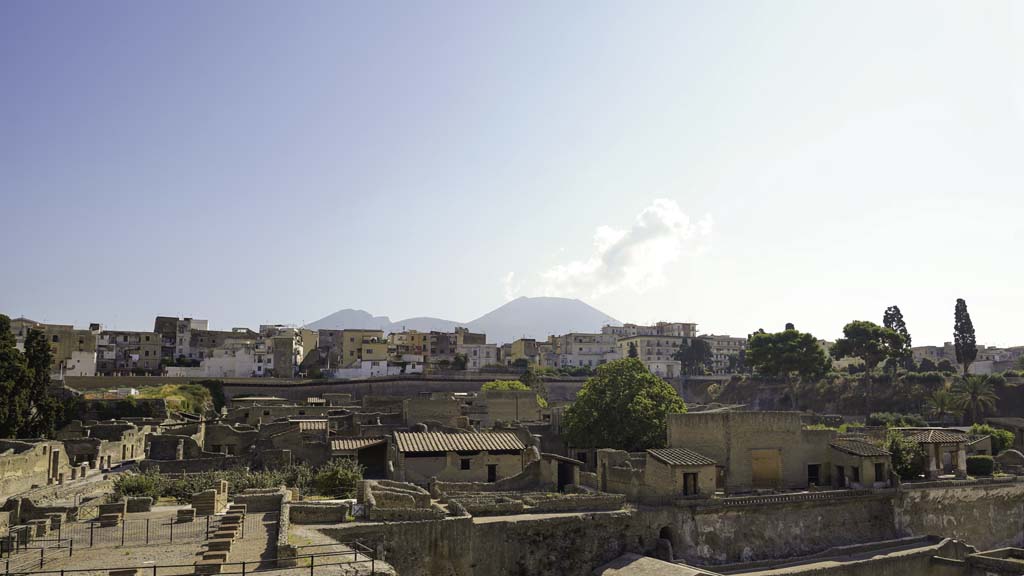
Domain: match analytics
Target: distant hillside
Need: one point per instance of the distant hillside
(523, 317)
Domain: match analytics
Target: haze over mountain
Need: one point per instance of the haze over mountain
(520, 318)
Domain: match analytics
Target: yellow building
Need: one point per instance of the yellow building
(353, 343)
(69, 347)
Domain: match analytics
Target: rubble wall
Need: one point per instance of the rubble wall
(985, 516)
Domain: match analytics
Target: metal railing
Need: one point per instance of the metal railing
(130, 532)
(26, 558)
(358, 553)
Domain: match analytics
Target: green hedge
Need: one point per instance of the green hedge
(980, 465)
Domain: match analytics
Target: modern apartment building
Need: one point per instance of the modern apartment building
(680, 329)
(723, 347)
(73, 350)
(655, 352)
(122, 352)
(580, 349)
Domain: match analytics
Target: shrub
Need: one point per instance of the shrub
(338, 478)
(332, 479)
(1001, 439)
(895, 420)
(138, 485)
(908, 457)
(980, 465)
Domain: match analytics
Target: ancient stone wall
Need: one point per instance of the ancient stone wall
(317, 512)
(985, 516)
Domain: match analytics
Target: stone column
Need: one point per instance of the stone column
(961, 461)
(932, 471)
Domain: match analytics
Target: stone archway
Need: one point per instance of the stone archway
(666, 542)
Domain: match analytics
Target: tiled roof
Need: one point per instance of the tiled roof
(350, 444)
(937, 437)
(975, 438)
(442, 442)
(681, 457)
(314, 400)
(305, 425)
(857, 447)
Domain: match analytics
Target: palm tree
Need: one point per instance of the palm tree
(975, 394)
(941, 403)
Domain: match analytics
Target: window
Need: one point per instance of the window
(56, 338)
(813, 474)
(855, 473)
(465, 462)
(879, 472)
(266, 412)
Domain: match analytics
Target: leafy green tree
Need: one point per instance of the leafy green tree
(908, 457)
(15, 387)
(963, 336)
(872, 344)
(791, 355)
(27, 409)
(622, 406)
(893, 320)
(926, 365)
(738, 362)
(942, 403)
(460, 361)
(975, 395)
(693, 356)
(45, 408)
(1001, 439)
(535, 383)
(945, 366)
(633, 353)
(510, 385)
(869, 342)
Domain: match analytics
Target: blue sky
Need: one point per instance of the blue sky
(737, 164)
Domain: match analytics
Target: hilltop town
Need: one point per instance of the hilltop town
(629, 449)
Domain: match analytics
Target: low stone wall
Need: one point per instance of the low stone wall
(575, 503)
(406, 514)
(588, 479)
(192, 466)
(528, 479)
(318, 512)
(391, 494)
(139, 504)
(261, 500)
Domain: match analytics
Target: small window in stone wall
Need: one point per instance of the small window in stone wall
(466, 463)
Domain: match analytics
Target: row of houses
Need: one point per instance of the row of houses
(187, 347)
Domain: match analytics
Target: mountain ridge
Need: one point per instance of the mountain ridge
(524, 317)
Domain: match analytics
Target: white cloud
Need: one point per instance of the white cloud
(510, 286)
(636, 259)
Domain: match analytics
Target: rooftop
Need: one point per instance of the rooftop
(442, 442)
(937, 437)
(680, 457)
(857, 447)
(350, 444)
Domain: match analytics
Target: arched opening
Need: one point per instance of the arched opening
(666, 542)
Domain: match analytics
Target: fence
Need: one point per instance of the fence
(30, 557)
(312, 564)
(732, 501)
(134, 532)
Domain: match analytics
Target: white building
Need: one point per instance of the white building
(478, 355)
(580, 349)
(722, 347)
